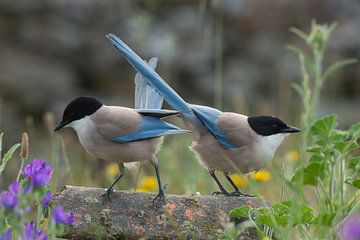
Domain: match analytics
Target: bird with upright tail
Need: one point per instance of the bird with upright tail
(120, 134)
(223, 141)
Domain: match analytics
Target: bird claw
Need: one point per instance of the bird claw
(240, 194)
(106, 195)
(220, 193)
(160, 198)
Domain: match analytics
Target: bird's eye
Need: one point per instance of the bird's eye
(275, 126)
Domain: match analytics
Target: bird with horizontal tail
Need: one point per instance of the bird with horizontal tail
(223, 141)
(120, 134)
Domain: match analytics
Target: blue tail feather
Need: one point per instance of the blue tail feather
(146, 97)
(154, 80)
(198, 115)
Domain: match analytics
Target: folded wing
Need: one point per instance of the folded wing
(209, 117)
(150, 127)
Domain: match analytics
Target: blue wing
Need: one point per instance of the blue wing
(150, 127)
(208, 116)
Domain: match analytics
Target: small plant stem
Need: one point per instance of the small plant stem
(21, 168)
(327, 197)
(318, 56)
(66, 159)
(341, 183)
(54, 151)
(39, 213)
(253, 222)
(331, 184)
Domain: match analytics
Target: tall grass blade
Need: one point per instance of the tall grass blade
(8, 156)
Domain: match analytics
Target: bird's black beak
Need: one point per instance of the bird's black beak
(61, 125)
(291, 129)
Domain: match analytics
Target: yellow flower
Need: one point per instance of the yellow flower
(112, 170)
(140, 190)
(148, 183)
(266, 238)
(261, 176)
(239, 180)
(293, 155)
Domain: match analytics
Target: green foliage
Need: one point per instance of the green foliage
(26, 206)
(8, 155)
(279, 216)
(327, 167)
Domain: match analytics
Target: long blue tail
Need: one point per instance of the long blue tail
(154, 80)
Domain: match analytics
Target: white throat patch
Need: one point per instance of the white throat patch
(80, 125)
(267, 145)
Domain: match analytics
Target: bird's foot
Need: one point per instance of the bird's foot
(220, 193)
(106, 195)
(240, 194)
(160, 198)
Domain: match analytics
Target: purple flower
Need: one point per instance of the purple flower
(349, 228)
(60, 216)
(6, 235)
(32, 233)
(46, 199)
(38, 172)
(15, 187)
(9, 199)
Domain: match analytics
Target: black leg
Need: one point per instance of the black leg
(222, 189)
(110, 189)
(232, 183)
(237, 192)
(161, 195)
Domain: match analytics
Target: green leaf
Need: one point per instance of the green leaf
(10, 152)
(314, 149)
(306, 214)
(339, 135)
(317, 158)
(355, 130)
(354, 164)
(325, 219)
(335, 66)
(321, 142)
(344, 147)
(323, 126)
(298, 89)
(265, 210)
(282, 220)
(299, 33)
(298, 176)
(264, 219)
(242, 211)
(8, 156)
(312, 172)
(295, 49)
(280, 208)
(354, 183)
(299, 213)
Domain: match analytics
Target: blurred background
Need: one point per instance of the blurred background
(229, 54)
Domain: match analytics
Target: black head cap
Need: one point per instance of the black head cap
(77, 109)
(269, 125)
